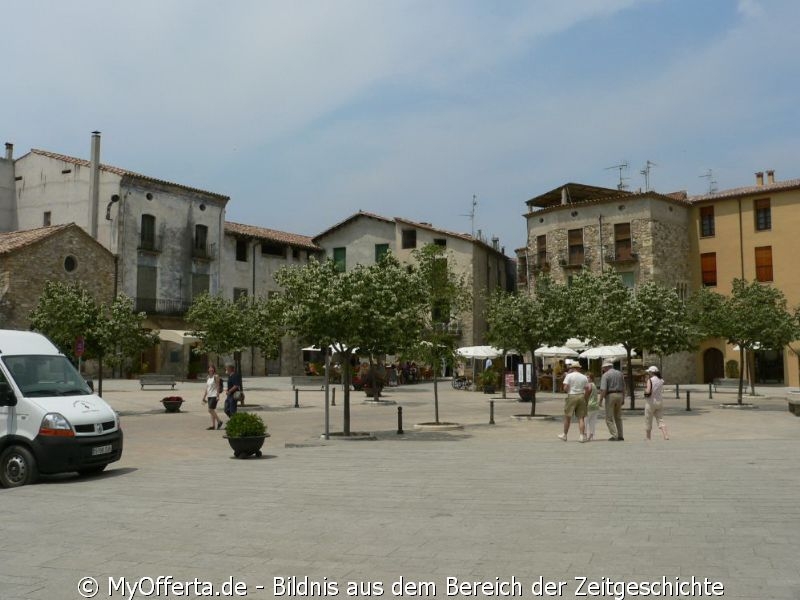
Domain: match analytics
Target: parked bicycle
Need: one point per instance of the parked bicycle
(461, 383)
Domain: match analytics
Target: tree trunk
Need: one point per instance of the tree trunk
(630, 378)
(741, 372)
(100, 375)
(435, 398)
(534, 382)
(346, 405)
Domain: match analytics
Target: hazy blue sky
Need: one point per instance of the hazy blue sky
(304, 112)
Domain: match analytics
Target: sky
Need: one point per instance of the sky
(305, 112)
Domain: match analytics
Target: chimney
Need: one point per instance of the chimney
(496, 242)
(771, 176)
(94, 184)
(563, 196)
(9, 151)
(760, 178)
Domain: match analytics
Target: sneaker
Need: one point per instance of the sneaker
(583, 438)
(562, 437)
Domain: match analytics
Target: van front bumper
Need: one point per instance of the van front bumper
(64, 454)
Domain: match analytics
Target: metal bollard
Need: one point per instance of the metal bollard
(399, 420)
(710, 394)
(333, 399)
(677, 391)
(491, 412)
(297, 398)
(688, 404)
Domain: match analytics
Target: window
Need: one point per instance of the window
(622, 241)
(241, 250)
(146, 288)
(340, 259)
(682, 290)
(200, 240)
(541, 250)
(628, 280)
(239, 293)
(764, 263)
(409, 238)
(46, 219)
(200, 284)
(706, 221)
(147, 239)
(440, 241)
(70, 264)
(763, 214)
(708, 268)
(273, 249)
(380, 251)
(575, 241)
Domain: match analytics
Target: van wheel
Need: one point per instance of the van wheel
(92, 470)
(17, 467)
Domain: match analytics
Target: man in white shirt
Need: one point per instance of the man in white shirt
(577, 387)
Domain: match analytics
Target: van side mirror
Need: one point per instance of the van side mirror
(7, 396)
(90, 383)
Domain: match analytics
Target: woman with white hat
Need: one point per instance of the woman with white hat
(654, 406)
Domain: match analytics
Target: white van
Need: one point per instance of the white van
(50, 419)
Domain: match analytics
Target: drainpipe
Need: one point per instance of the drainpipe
(741, 242)
(94, 184)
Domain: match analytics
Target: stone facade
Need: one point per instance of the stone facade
(29, 259)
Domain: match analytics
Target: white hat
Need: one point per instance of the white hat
(607, 363)
(652, 369)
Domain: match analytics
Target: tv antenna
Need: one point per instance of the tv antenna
(471, 215)
(646, 173)
(712, 183)
(623, 165)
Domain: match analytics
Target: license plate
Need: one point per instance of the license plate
(98, 450)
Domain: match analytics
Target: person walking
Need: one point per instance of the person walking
(653, 402)
(592, 409)
(234, 392)
(211, 396)
(612, 391)
(576, 385)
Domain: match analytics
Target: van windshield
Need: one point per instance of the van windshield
(37, 375)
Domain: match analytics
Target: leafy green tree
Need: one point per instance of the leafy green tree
(446, 295)
(527, 322)
(754, 316)
(221, 325)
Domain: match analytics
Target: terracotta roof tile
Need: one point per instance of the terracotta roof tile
(14, 240)
(750, 190)
(272, 235)
(122, 172)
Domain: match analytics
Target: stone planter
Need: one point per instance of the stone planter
(172, 404)
(244, 447)
(525, 393)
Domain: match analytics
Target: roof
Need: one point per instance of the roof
(15, 240)
(751, 190)
(123, 172)
(612, 196)
(576, 192)
(360, 214)
(463, 236)
(272, 235)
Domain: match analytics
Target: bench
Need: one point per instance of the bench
(727, 383)
(157, 379)
(794, 403)
(307, 383)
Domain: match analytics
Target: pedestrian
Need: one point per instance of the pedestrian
(592, 409)
(653, 402)
(612, 391)
(211, 396)
(235, 393)
(576, 385)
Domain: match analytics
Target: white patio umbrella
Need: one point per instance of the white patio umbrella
(555, 352)
(614, 352)
(479, 352)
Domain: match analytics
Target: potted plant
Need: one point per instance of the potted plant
(172, 403)
(525, 392)
(489, 380)
(245, 433)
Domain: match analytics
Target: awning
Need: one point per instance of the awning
(177, 336)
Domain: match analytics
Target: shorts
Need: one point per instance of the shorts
(212, 403)
(575, 403)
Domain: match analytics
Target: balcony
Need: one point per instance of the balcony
(621, 256)
(157, 306)
(204, 251)
(574, 261)
(541, 263)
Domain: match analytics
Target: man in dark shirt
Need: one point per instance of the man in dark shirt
(612, 391)
(234, 385)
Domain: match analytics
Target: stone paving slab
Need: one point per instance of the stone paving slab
(719, 500)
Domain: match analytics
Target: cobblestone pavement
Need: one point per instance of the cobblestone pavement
(719, 501)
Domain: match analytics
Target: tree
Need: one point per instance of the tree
(527, 322)
(445, 296)
(754, 316)
(374, 309)
(67, 311)
(221, 325)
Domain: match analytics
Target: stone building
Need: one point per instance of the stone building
(643, 236)
(30, 258)
(252, 255)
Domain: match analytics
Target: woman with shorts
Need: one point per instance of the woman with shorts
(211, 395)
